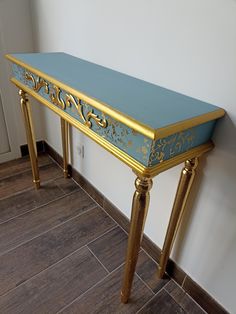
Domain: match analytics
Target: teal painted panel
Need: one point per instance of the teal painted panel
(173, 145)
(149, 153)
(126, 139)
(147, 103)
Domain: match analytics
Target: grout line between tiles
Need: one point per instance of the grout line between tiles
(182, 285)
(50, 266)
(149, 288)
(29, 188)
(50, 229)
(149, 300)
(109, 230)
(97, 283)
(20, 172)
(38, 207)
(97, 259)
(45, 269)
(186, 294)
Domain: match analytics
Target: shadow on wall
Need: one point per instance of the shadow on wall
(224, 160)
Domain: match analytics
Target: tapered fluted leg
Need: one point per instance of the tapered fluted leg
(183, 190)
(139, 211)
(65, 145)
(25, 106)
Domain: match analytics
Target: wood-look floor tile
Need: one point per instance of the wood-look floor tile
(22, 164)
(182, 298)
(55, 287)
(202, 297)
(147, 270)
(67, 185)
(88, 187)
(32, 257)
(104, 298)
(111, 248)
(32, 223)
(162, 303)
(23, 180)
(29, 199)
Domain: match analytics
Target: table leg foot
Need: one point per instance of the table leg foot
(139, 212)
(25, 107)
(183, 190)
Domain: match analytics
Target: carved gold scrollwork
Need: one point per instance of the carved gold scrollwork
(38, 83)
(101, 122)
(55, 97)
(70, 100)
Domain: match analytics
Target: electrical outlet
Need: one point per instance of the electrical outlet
(80, 150)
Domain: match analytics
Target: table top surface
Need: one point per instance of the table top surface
(154, 106)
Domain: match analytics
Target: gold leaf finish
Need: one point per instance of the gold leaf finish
(38, 83)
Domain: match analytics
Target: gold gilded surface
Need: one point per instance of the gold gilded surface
(70, 100)
(140, 205)
(55, 94)
(123, 118)
(25, 107)
(123, 156)
(38, 83)
(172, 145)
(182, 194)
(56, 98)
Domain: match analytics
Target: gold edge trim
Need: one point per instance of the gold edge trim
(124, 157)
(165, 165)
(125, 119)
(98, 139)
(190, 123)
(154, 134)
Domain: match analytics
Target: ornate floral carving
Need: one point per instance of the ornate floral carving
(56, 97)
(38, 83)
(171, 146)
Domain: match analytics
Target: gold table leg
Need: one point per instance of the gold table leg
(139, 212)
(65, 145)
(183, 190)
(25, 106)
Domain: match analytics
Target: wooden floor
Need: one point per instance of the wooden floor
(61, 253)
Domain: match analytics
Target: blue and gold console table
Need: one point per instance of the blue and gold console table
(148, 127)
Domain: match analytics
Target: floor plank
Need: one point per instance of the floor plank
(60, 251)
(111, 258)
(28, 259)
(20, 165)
(183, 299)
(29, 225)
(67, 185)
(147, 270)
(23, 180)
(104, 298)
(115, 256)
(29, 199)
(56, 287)
(162, 303)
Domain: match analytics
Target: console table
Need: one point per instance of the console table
(149, 128)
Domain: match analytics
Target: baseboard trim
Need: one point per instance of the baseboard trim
(209, 304)
(25, 151)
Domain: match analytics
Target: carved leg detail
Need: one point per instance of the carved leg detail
(139, 211)
(65, 145)
(25, 106)
(183, 190)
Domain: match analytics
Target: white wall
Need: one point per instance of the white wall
(188, 46)
(15, 36)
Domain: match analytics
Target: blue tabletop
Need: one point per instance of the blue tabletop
(150, 104)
